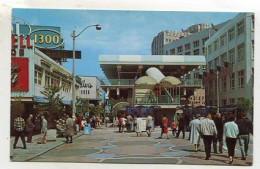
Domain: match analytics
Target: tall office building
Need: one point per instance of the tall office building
(231, 51)
(164, 38)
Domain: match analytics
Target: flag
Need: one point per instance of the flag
(214, 27)
(223, 73)
(230, 69)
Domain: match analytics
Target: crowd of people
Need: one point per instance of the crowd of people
(209, 129)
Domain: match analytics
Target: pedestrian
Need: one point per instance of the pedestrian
(129, 122)
(208, 131)
(19, 125)
(29, 128)
(135, 122)
(164, 126)
(174, 127)
(181, 127)
(149, 125)
(194, 133)
(245, 127)
(219, 122)
(69, 132)
(231, 132)
(115, 121)
(123, 123)
(119, 123)
(138, 129)
(106, 121)
(43, 130)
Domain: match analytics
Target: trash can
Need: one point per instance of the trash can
(87, 129)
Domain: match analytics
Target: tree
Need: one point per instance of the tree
(244, 105)
(82, 106)
(53, 108)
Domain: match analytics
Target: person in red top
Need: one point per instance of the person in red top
(120, 123)
(164, 126)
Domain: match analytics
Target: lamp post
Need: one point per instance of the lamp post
(73, 35)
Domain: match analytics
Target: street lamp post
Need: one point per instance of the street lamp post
(73, 35)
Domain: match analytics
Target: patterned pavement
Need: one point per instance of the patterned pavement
(109, 146)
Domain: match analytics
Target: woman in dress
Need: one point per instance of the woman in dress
(164, 126)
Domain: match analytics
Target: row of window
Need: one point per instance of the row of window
(84, 92)
(224, 102)
(231, 35)
(229, 56)
(196, 44)
(50, 79)
(212, 88)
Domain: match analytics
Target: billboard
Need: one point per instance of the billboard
(19, 74)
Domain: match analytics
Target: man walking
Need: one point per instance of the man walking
(19, 125)
(29, 128)
(129, 122)
(245, 128)
(69, 129)
(181, 127)
(43, 130)
(149, 125)
(219, 125)
(194, 133)
(207, 129)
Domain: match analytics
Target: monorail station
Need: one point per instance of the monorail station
(150, 81)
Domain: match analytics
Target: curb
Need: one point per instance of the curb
(48, 149)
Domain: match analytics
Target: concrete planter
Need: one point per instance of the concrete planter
(51, 135)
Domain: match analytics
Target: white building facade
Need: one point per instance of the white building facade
(233, 44)
(90, 88)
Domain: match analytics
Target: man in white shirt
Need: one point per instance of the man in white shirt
(208, 131)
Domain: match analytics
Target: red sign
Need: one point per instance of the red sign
(22, 45)
(19, 74)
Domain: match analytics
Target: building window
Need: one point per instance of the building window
(223, 57)
(232, 101)
(187, 46)
(253, 22)
(231, 53)
(231, 34)
(55, 80)
(196, 52)
(210, 49)
(47, 79)
(196, 75)
(216, 45)
(224, 102)
(179, 49)
(232, 82)
(38, 76)
(166, 52)
(187, 53)
(204, 40)
(223, 40)
(253, 48)
(172, 51)
(241, 79)
(196, 44)
(224, 85)
(240, 27)
(240, 52)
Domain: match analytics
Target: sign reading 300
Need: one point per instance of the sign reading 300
(47, 38)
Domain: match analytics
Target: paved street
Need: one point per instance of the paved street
(109, 146)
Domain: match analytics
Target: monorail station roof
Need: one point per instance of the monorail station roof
(131, 66)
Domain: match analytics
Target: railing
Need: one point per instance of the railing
(190, 82)
(110, 82)
(160, 100)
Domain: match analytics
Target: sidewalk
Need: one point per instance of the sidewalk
(33, 149)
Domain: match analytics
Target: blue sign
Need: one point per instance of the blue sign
(45, 37)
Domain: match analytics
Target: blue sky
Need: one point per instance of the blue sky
(123, 32)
